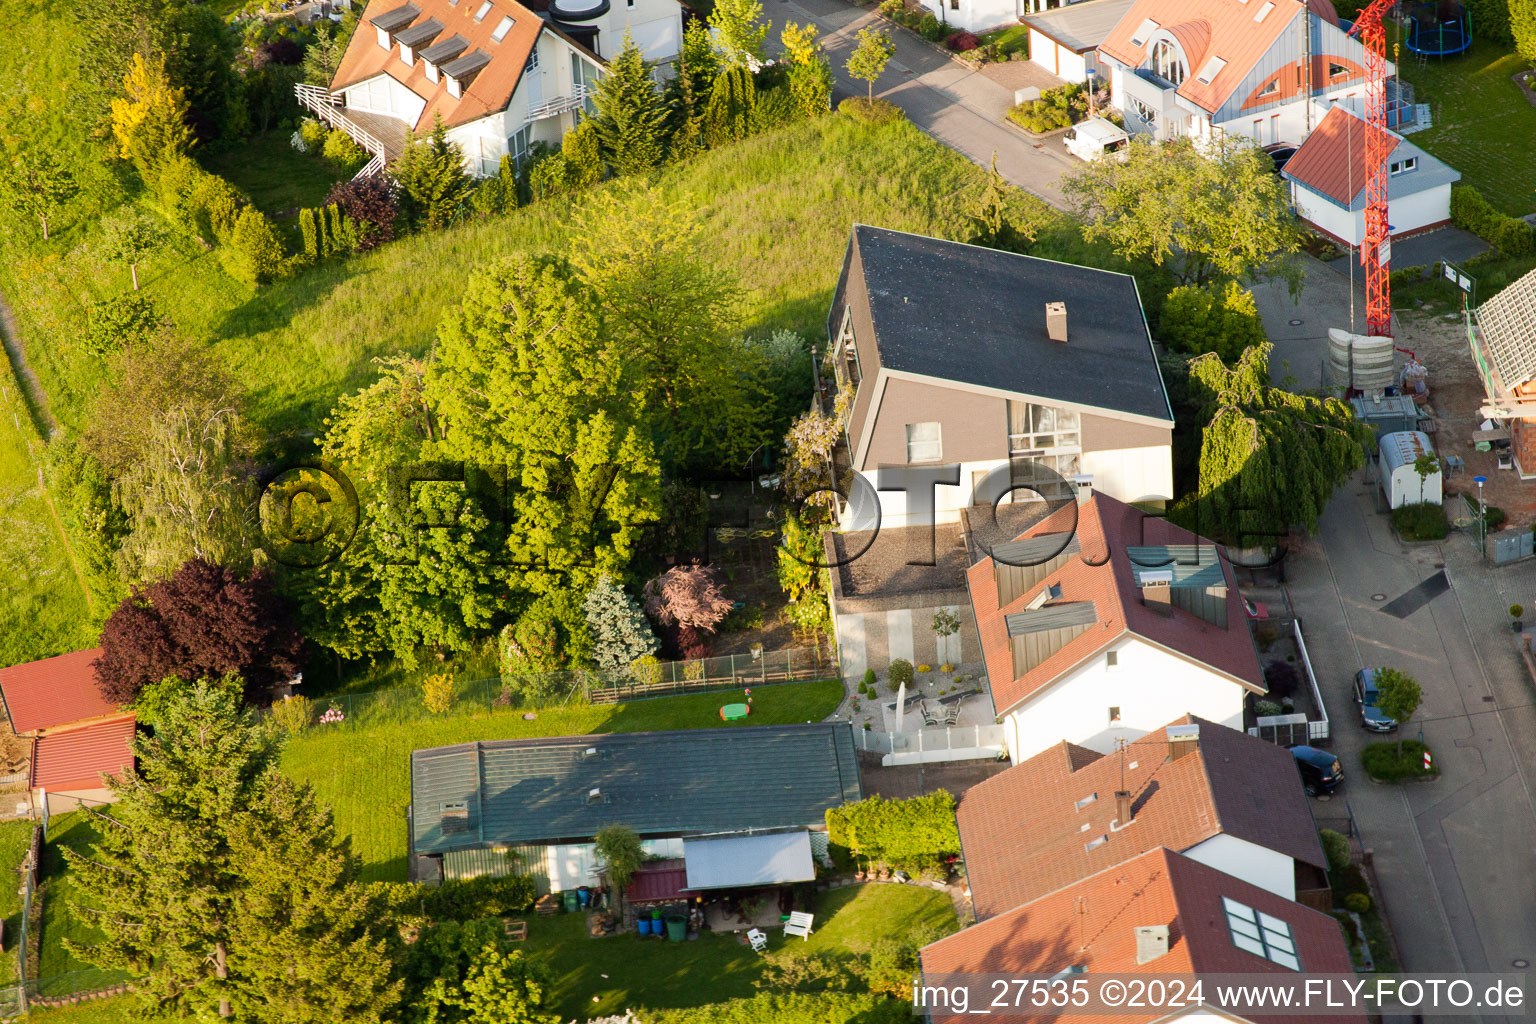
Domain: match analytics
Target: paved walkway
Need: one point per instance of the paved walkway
(1453, 855)
(958, 106)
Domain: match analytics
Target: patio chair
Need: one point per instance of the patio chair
(929, 718)
(952, 714)
(758, 939)
(799, 923)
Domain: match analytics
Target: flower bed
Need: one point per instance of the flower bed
(1056, 109)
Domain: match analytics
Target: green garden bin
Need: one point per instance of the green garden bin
(571, 901)
(677, 927)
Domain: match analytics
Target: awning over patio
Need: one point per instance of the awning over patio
(771, 859)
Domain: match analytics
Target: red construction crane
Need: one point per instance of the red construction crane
(1376, 253)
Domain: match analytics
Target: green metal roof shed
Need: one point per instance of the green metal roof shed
(658, 783)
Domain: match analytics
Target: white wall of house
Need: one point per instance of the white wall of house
(1405, 213)
(1257, 865)
(1149, 686)
(977, 15)
(381, 94)
(1061, 61)
(1132, 474)
(657, 27)
(948, 501)
(72, 800)
(575, 864)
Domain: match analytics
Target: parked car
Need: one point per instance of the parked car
(1365, 695)
(1281, 154)
(1255, 609)
(1091, 139)
(1320, 770)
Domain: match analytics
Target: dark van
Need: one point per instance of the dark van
(1320, 770)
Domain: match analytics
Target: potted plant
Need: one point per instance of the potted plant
(885, 872)
(858, 872)
(1515, 611)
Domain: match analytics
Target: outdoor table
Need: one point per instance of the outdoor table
(732, 712)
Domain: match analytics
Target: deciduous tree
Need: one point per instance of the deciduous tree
(499, 987)
(810, 76)
(1219, 318)
(36, 184)
(870, 57)
(687, 595)
(1398, 696)
(620, 854)
(131, 236)
(204, 621)
(1208, 216)
(739, 32)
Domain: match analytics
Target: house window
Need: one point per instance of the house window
(1168, 63)
(1114, 716)
(1112, 660)
(1263, 12)
(455, 816)
(1045, 448)
(1270, 88)
(1261, 934)
(517, 144)
(1094, 844)
(1085, 801)
(485, 9)
(1335, 70)
(924, 442)
(846, 367)
(502, 28)
(533, 61)
(1144, 113)
(1403, 166)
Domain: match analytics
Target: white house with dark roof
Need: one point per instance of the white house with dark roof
(500, 74)
(981, 377)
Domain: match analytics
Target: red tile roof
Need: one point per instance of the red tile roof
(659, 881)
(488, 93)
(1090, 924)
(54, 691)
(1206, 29)
(1105, 576)
(1024, 836)
(78, 758)
(1332, 160)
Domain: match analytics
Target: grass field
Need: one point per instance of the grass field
(61, 908)
(267, 168)
(365, 774)
(15, 837)
(1483, 125)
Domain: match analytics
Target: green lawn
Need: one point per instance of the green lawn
(279, 179)
(15, 837)
(364, 773)
(629, 971)
(61, 911)
(1483, 125)
(1013, 39)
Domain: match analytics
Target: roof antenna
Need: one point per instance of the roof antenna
(1082, 923)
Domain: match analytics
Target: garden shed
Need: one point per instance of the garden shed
(1065, 40)
(1400, 479)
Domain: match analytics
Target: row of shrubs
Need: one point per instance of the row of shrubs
(1510, 235)
(1057, 108)
(1418, 522)
(205, 205)
(487, 896)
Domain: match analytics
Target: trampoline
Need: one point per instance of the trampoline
(1439, 29)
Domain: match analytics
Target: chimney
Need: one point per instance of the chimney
(1084, 482)
(1156, 586)
(1182, 739)
(1122, 808)
(1151, 942)
(1056, 321)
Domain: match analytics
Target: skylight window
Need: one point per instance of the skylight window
(1094, 844)
(502, 29)
(485, 9)
(1210, 71)
(1261, 934)
(1139, 38)
(1085, 801)
(1263, 12)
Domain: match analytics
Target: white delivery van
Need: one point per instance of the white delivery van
(1091, 139)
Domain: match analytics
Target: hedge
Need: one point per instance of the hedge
(1420, 522)
(909, 834)
(466, 900)
(1510, 235)
(1382, 763)
(792, 1008)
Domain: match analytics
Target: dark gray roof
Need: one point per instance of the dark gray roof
(418, 34)
(658, 783)
(446, 50)
(396, 18)
(467, 64)
(977, 316)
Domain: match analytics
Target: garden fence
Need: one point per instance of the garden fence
(404, 704)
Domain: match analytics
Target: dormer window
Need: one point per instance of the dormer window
(485, 9)
(430, 69)
(501, 30)
(1168, 63)
(1403, 166)
(454, 89)
(391, 23)
(1145, 29)
(1263, 12)
(1335, 70)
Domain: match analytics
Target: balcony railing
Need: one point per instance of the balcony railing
(559, 104)
(326, 107)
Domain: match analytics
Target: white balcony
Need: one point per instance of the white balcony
(559, 104)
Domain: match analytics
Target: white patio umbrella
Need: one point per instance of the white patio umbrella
(901, 709)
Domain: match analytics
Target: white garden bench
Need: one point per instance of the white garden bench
(799, 923)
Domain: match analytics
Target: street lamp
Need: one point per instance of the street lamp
(1482, 517)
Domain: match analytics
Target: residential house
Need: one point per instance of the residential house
(968, 375)
(1065, 40)
(1162, 913)
(78, 738)
(1216, 795)
(1327, 181)
(1102, 623)
(1265, 70)
(499, 74)
(740, 807)
(1502, 335)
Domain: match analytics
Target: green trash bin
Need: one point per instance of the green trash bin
(677, 927)
(570, 901)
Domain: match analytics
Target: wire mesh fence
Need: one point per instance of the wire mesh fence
(405, 704)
